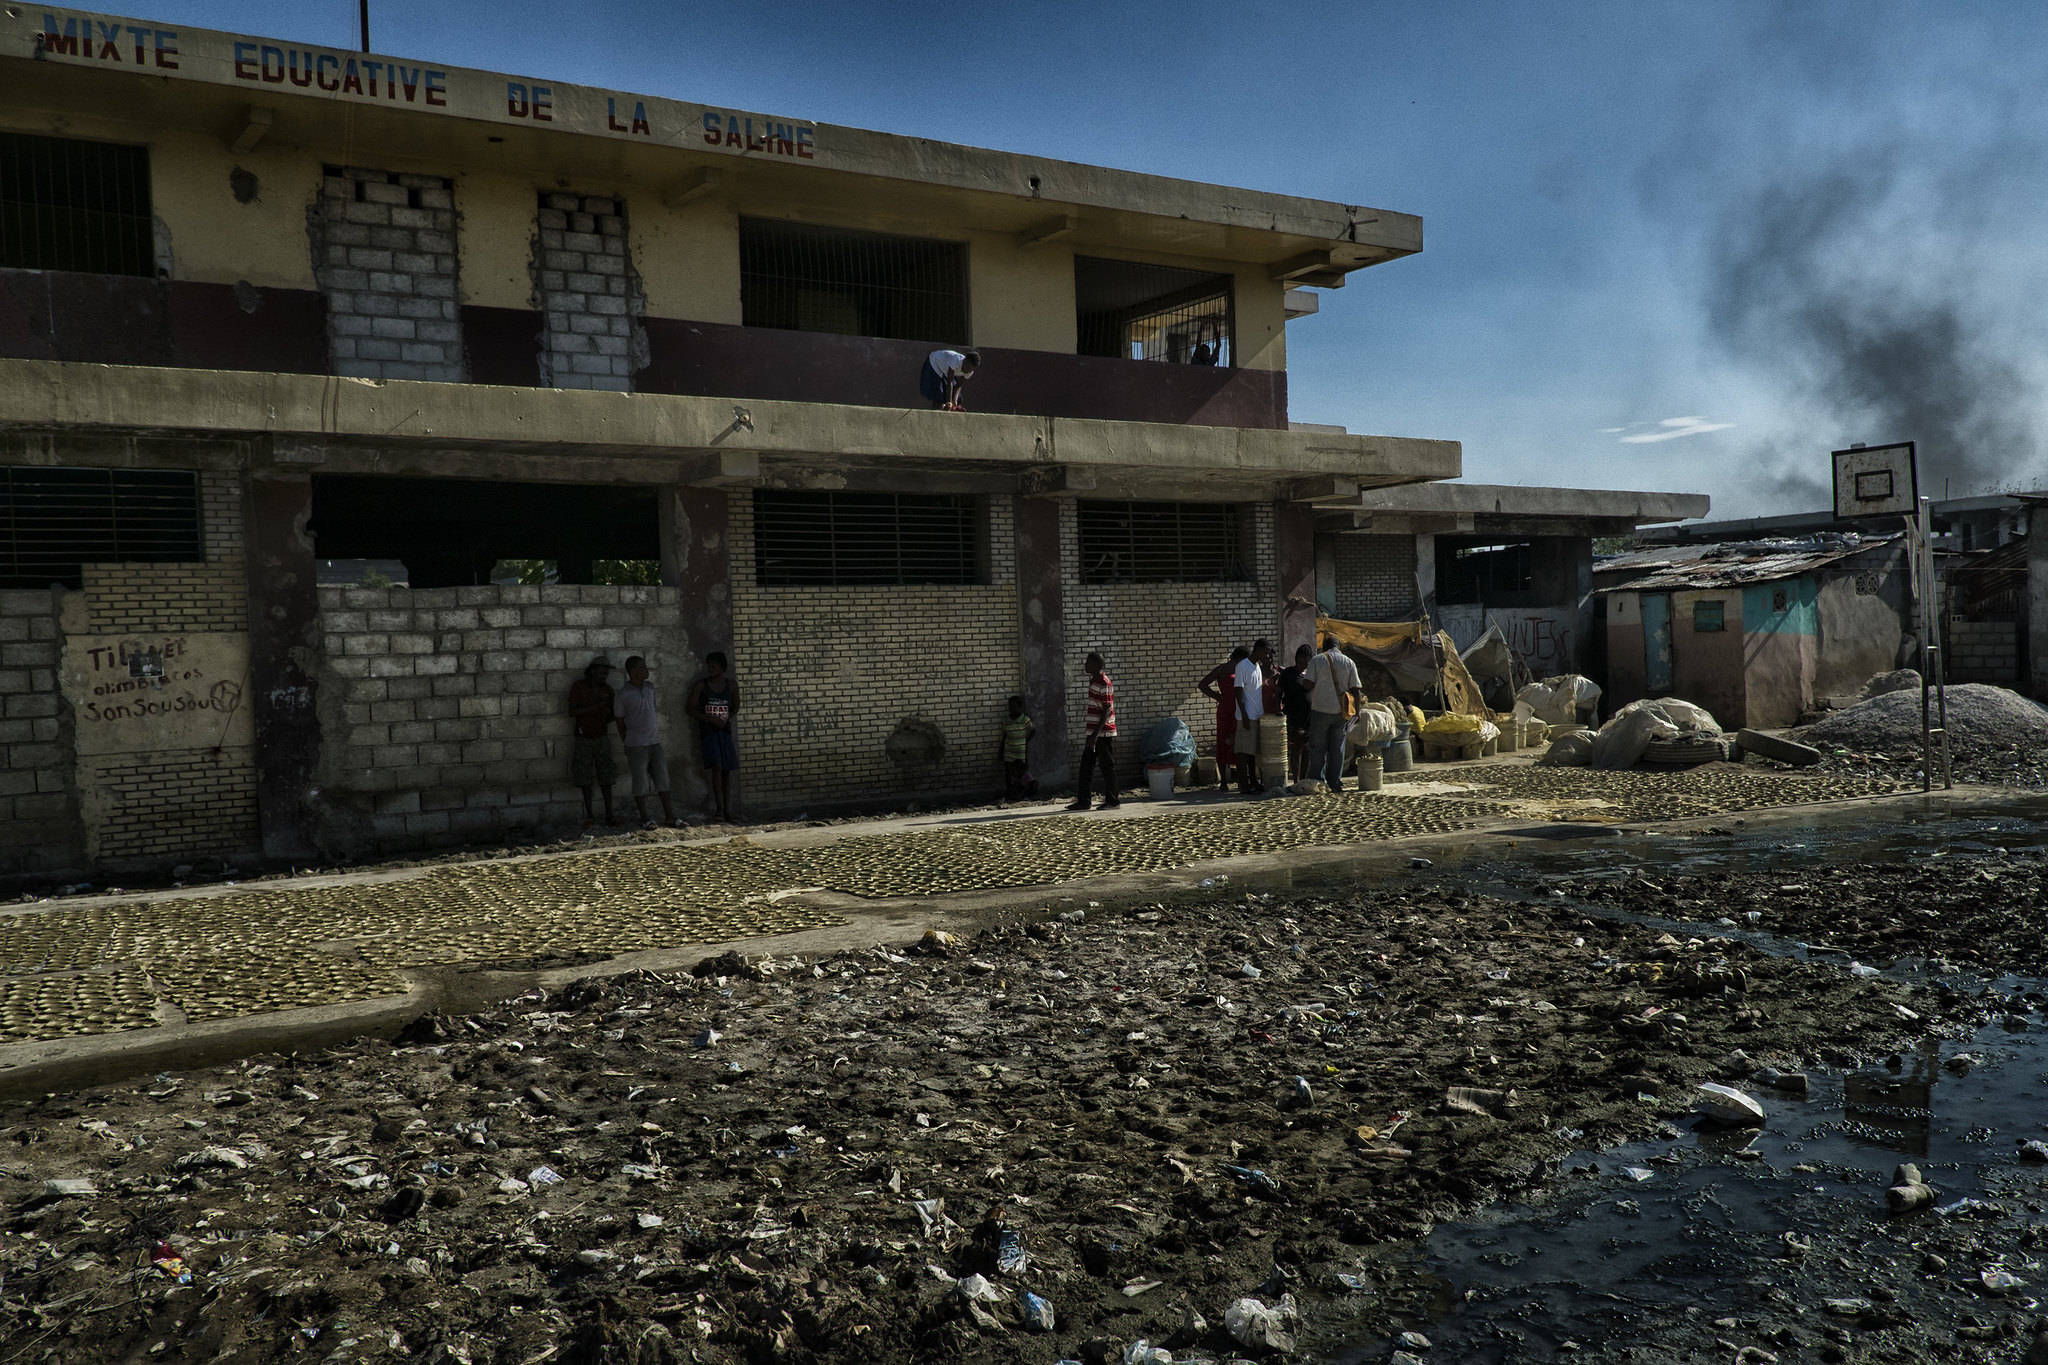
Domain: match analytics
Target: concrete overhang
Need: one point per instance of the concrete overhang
(220, 86)
(1508, 509)
(75, 413)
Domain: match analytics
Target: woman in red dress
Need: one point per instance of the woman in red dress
(1221, 683)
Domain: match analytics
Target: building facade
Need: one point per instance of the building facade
(350, 404)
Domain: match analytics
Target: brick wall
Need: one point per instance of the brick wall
(443, 710)
(590, 294)
(1376, 578)
(826, 675)
(1983, 651)
(384, 254)
(1158, 639)
(38, 815)
(173, 804)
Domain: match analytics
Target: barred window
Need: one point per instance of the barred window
(1152, 312)
(71, 205)
(1477, 573)
(53, 522)
(1163, 542)
(849, 539)
(871, 284)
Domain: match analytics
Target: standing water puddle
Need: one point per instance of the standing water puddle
(1707, 1240)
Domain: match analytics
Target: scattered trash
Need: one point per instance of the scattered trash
(1252, 1324)
(543, 1175)
(1038, 1313)
(1726, 1105)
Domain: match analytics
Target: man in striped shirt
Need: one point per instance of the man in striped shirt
(1100, 730)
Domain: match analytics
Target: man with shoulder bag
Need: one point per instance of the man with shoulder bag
(1335, 694)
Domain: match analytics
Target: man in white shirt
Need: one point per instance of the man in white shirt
(1331, 677)
(640, 731)
(944, 373)
(1250, 680)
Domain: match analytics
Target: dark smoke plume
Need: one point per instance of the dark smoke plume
(1814, 281)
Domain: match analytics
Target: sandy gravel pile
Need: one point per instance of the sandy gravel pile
(1995, 733)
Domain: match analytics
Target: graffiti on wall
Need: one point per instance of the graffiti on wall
(144, 694)
(1542, 637)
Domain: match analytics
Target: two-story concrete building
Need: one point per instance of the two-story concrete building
(601, 373)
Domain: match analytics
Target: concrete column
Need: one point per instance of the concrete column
(284, 648)
(695, 548)
(1425, 572)
(2037, 609)
(1294, 555)
(1042, 632)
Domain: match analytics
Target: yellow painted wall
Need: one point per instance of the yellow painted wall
(494, 224)
(688, 257)
(214, 238)
(1261, 308)
(1020, 297)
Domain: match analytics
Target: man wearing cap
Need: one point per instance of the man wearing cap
(590, 761)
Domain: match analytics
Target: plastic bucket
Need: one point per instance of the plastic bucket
(1159, 777)
(1400, 757)
(1369, 769)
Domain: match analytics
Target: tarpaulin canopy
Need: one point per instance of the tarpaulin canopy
(1416, 657)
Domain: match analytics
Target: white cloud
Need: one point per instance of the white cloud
(1671, 428)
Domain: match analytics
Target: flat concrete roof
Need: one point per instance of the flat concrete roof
(355, 105)
(345, 425)
(1518, 500)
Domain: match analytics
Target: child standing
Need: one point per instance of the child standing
(1013, 746)
(714, 701)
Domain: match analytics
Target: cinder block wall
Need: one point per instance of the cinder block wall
(443, 711)
(1375, 578)
(827, 674)
(585, 284)
(1158, 639)
(384, 254)
(39, 829)
(1983, 651)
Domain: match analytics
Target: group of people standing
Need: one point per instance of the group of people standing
(1315, 697)
(596, 708)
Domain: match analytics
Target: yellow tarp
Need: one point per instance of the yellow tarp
(1396, 638)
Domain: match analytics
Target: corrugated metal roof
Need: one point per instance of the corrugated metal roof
(1730, 564)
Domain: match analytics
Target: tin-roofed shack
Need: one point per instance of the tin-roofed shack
(1758, 632)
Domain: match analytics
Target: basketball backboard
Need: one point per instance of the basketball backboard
(1876, 481)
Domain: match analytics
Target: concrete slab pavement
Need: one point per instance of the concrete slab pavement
(91, 988)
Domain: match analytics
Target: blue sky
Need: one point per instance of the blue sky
(1675, 246)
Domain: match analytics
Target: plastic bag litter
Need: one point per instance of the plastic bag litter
(1168, 741)
(1573, 750)
(1563, 700)
(1251, 1323)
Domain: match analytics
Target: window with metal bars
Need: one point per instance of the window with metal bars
(1152, 312)
(53, 522)
(1472, 573)
(71, 205)
(1163, 542)
(804, 539)
(817, 279)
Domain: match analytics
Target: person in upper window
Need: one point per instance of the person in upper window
(944, 373)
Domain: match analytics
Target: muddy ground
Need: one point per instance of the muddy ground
(1137, 1114)
(1947, 910)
